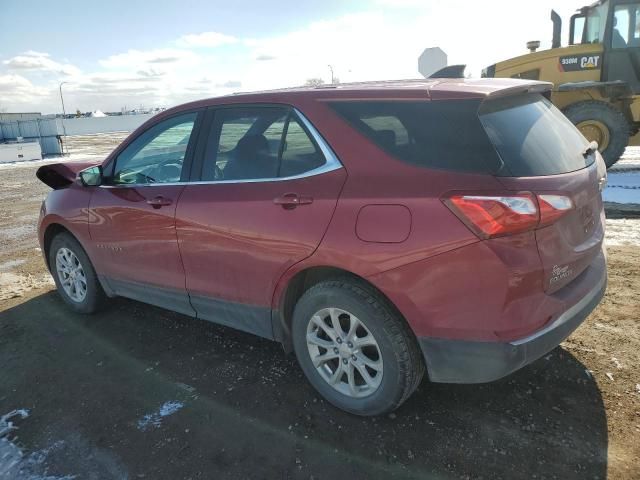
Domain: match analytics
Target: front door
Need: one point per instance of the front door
(267, 192)
(622, 60)
(132, 215)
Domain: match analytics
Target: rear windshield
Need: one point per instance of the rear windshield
(433, 134)
(533, 137)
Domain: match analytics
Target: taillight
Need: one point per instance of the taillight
(552, 207)
(498, 215)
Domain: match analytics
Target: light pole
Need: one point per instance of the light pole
(64, 114)
(331, 69)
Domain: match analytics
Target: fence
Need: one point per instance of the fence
(46, 131)
(116, 123)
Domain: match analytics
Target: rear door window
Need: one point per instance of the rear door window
(299, 153)
(258, 143)
(533, 137)
(248, 142)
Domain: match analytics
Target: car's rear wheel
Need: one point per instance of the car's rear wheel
(74, 275)
(354, 348)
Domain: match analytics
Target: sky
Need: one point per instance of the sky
(158, 53)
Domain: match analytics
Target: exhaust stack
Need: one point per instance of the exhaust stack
(557, 29)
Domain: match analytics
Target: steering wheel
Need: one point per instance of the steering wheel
(130, 176)
(161, 175)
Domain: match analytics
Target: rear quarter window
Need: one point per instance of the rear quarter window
(441, 134)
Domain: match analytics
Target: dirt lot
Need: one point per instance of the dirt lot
(139, 392)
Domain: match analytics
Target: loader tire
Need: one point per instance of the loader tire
(602, 122)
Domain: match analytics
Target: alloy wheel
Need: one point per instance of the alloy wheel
(71, 275)
(344, 352)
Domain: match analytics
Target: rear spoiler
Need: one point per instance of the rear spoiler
(543, 88)
(486, 88)
(451, 71)
(61, 175)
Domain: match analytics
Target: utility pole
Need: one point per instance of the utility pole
(332, 77)
(64, 114)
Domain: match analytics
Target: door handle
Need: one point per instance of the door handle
(289, 201)
(159, 201)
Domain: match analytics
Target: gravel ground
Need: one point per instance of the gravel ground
(140, 392)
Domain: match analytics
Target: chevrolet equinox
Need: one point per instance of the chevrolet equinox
(378, 230)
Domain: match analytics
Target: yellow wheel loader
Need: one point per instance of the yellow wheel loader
(596, 78)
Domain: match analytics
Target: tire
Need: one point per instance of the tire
(607, 115)
(72, 253)
(354, 303)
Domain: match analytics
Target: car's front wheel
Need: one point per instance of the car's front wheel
(354, 348)
(73, 273)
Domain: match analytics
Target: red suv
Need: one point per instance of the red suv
(379, 230)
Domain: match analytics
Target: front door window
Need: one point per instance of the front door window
(157, 155)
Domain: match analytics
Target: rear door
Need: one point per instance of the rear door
(266, 192)
(544, 153)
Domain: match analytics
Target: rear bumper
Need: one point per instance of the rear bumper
(459, 361)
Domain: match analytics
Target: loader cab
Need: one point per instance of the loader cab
(616, 26)
(589, 24)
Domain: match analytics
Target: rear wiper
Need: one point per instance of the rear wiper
(591, 148)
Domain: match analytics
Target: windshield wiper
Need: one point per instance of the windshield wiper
(591, 148)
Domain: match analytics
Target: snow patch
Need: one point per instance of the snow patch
(13, 285)
(28, 163)
(6, 426)
(14, 464)
(622, 231)
(11, 264)
(154, 420)
(18, 232)
(630, 160)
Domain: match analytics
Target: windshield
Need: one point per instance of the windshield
(596, 19)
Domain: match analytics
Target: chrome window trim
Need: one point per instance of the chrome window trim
(331, 163)
(143, 185)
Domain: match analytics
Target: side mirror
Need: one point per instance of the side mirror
(91, 177)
